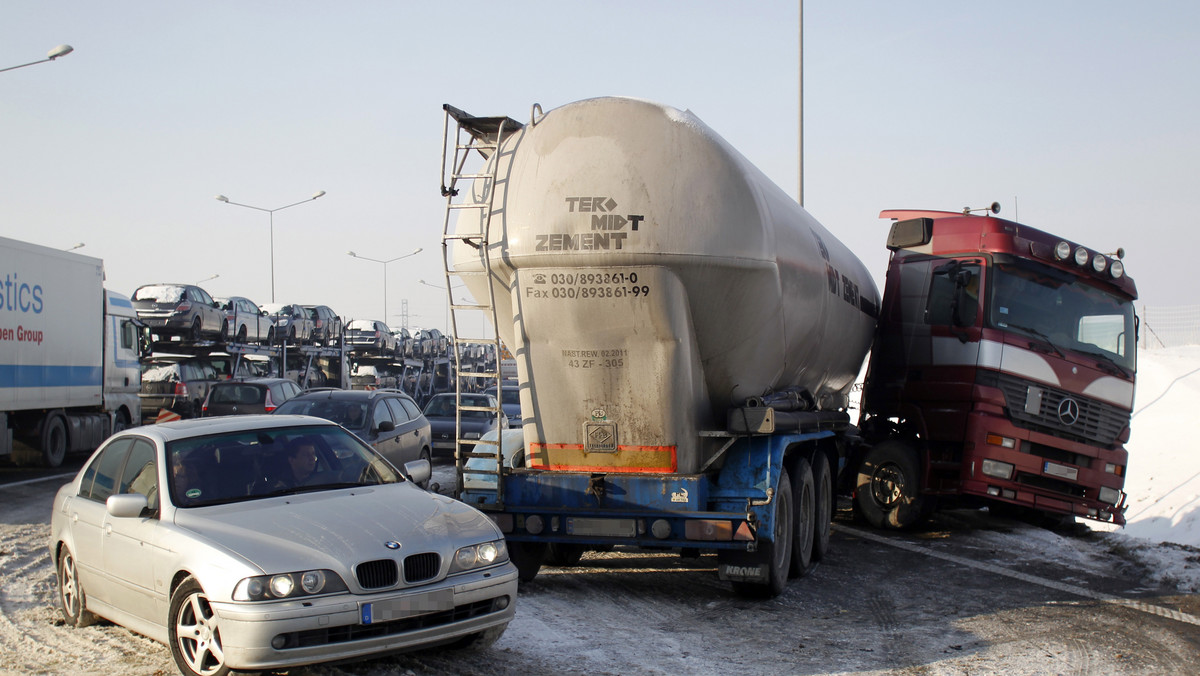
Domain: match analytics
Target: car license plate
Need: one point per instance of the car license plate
(406, 606)
(1062, 471)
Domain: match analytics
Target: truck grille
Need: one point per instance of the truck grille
(1097, 423)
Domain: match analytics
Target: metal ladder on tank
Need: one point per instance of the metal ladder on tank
(485, 136)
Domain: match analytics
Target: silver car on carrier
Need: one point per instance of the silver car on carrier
(265, 542)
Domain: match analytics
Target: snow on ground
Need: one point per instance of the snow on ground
(1163, 481)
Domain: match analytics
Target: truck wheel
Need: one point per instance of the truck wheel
(887, 490)
(806, 516)
(54, 441)
(564, 554)
(121, 423)
(527, 557)
(775, 553)
(823, 485)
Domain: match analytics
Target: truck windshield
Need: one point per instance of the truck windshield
(1071, 314)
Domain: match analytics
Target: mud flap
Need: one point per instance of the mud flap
(739, 566)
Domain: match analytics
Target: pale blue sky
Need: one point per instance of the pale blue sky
(1078, 117)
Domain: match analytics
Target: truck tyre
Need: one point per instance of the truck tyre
(887, 490)
(54, 441)
(527, 557)
(805, 521)
(776, 553)
(121, 421)
(823, 487)
(564, 554)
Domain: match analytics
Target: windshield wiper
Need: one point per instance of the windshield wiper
(1039, 334)
(1105, 359)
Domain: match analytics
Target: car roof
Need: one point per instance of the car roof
(198, 427)
(252, 381)
(334, 393)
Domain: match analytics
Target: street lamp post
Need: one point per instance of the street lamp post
(61, 50)
(207, 279)
(385, 263)
(225, 199)
(77, 246)
(448, 297)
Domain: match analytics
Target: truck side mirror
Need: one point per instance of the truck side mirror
(965, 304)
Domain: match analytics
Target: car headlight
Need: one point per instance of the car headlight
(288, 585)
(479, 556)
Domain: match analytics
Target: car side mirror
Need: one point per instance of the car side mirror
(126, 505)
(418, 471)
(387, 426)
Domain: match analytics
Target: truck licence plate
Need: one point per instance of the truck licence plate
(1062, 471)
(617, 528)
(406, 606)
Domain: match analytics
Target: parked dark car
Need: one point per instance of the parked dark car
(510, 401)
(243, 397)
(368, 335)
(388, 420)
(245, 321)
(440, 412)
(291, 323)
(183, 310)
(180, 383)
(327, 325)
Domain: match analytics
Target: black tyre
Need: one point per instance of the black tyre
(527, 557)
(564, 554)
(241, 336)
(72, 601)
(776, 553)
(224, 330)
(196, 334)
(121, 422)
(195, 633)
(54, 441)
(291, 339)
(823, 484)
(805, 519)
(271, 336)
(480, 640)
(887, 491)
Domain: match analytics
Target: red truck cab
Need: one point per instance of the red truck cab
(1002, 371)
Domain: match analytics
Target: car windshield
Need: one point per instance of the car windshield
(350, 414)
(254, 464)
(508, 395)
(163, 293)
(443, 407)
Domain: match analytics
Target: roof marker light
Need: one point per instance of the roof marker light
(1117, 269)
(1062, 251)
(1099, 262)
(1081, 256)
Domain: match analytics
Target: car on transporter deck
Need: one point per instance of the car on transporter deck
(216, 537)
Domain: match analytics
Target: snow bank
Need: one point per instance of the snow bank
(1163, 480)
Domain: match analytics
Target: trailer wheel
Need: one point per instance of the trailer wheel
(777, 553)
(806, 516)
(887, 490)
(823, 486)
(527, 557)
(54, 441)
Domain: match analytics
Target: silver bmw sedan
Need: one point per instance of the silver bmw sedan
(261, 542)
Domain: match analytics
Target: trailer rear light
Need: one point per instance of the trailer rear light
(997, 440)
(716, 529)
(1110, 495)
(1062, 251)
(995, 468)
(1113, 468)
(534, 524)
(1099, 262)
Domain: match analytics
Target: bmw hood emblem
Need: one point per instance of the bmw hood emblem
(392, 544)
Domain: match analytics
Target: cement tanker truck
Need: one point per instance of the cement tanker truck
(686, 337)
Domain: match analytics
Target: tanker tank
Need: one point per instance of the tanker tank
(655, 280)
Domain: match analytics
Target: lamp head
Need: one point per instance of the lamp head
(61, 50)
(222, 198)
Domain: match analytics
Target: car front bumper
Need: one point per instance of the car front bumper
(345, 627)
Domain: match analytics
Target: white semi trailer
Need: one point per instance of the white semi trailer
(69, 353)
(685, 334)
